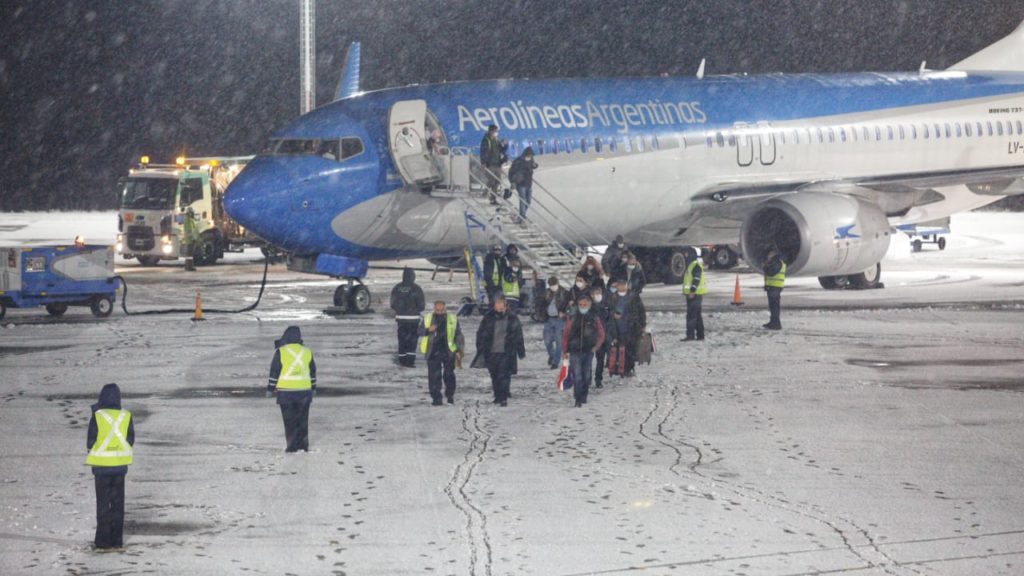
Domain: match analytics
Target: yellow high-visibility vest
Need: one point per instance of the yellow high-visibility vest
(702, 287)
(453, 324)
(778, 280)
(295, 359)
(111, 447)
(510, 288)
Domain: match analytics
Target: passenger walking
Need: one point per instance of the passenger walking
(581, 339)
(774, 282)
(552, 305)
(499, 343)
(612, 258)
(520, 174)
(630, 322)
(694, 288)
(492, 156)
(408, 303)
(293, 381)
(592, 273)
(579, 288)
(603, 310)
(109, 439)
(494, 267)
(511, 286)
(634, 274)
(441, 342)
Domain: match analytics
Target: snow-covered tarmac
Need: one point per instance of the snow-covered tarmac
(879, 433)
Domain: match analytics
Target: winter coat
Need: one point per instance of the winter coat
(772, 267)
(603, 310)
(635, 278)
(292, 335)
(593, 278)
(492, 261)
(521, 171)
(612, 260)
(492, 152)
(110, 398)
(514, 343)
(407, 298)
(583, 333)
(442, 334)
(544, 297)
(636, 317)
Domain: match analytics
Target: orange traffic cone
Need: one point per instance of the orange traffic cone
(199, 308)
(736, 300)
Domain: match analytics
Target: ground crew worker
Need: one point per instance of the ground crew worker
(109, 441)
(582, 338)
(774, 281)
(441, 342)
(499, 342)
(511, 286)
(293, 381)
(694, 288)
(494, 265)
(408, 303)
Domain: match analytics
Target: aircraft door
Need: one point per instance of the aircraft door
(407, 140)
(744, 145)
(766, 139)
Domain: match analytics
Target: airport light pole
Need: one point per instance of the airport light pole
(307, 52)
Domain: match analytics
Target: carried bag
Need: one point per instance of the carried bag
(645, 348)
(564, 381)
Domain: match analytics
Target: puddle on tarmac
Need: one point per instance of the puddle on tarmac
(1004, 385)
(143, 528)
(261, 392)
(18, 350)
(92, 396)
(970, 362)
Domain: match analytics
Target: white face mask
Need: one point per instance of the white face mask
(553, 288)
(515, 269)
(598, 298)
(590, 267)
(620, 245)
(622, 292)
(581, 284)
(631, 266)
(584, 309)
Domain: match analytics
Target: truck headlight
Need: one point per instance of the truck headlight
(120, 243)
(167, 246)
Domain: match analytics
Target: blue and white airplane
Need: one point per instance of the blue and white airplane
(821, 166)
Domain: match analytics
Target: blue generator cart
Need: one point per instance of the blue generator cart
(58, 277)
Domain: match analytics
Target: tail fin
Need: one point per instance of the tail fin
(1006, 54)
(348, 85)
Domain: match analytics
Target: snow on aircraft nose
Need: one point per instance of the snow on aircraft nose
(261, 197)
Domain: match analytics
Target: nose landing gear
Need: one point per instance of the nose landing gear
(353, 297)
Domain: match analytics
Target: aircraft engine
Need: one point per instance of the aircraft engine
(817, 234)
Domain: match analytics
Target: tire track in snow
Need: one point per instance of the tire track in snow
(480, 553)
(881, 561)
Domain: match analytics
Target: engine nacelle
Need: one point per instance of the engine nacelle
(817, 234)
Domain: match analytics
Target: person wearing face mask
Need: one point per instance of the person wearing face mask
(520, 174)
(602, 309)
(630, 317)
(494, 268)
(592, 273)
(581, 339)
(634, 275)
(511, 285)
(441, 342)
(613, 256)
(499, 342)
(579, 289)
(552, 305)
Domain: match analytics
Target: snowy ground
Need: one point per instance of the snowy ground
(880, 433)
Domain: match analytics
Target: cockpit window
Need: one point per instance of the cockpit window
(331, 149)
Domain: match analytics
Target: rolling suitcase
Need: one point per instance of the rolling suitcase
(617, 360)
(645, 349)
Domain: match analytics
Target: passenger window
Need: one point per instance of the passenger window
(191, 191)
(584, 145)
(720, 139)
(938, 131)
(927, 135)
(613, 145)
(570, 145)
(999, 128)
(732, 140)
(598, 145)
(351, 147)
(878, 133)
(1020, 128)
(989, 128)
(903, 135)
(653, 143)
(913, 131)
(821, 136)
(639, 143)
(981, 131)
(1009, 128)
(888, 130)
(958, 133)
(967, 129)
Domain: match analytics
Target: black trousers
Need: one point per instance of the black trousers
(500, 367)
(630, 343)
(694, 317)
(601, 361)
(407, 342)
(296, 426)
(441, 369)
(774, 305)
(109, 511)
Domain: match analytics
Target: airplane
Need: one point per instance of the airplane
(824, 167)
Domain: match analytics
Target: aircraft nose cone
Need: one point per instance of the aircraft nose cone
(249, 198)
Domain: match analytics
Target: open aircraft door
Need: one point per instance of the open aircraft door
(408, 124)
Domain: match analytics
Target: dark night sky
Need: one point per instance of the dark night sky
(88, 87)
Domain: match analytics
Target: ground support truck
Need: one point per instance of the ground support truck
(58, 277)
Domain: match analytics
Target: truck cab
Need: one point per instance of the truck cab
(172, 211)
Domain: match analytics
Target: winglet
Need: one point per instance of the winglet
(348, 85)
(700, 71)
(1005, 55)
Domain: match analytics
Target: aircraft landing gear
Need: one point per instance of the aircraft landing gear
(353, 297)
(866, 280)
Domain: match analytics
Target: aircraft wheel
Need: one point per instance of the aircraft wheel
(102, 306)
(56, 309)
(341, 296)
(723, 257)
(359, 299)
(942, 243)
(675, 268)
(834, 282)
(869, 278)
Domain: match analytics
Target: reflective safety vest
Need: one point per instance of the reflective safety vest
(111, 447)
(778, 280)
(295, 359)
(510, 288)
(453, 324)
(702, 287)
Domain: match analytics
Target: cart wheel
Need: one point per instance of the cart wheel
(57, 308)
(102, 306)
(916, 244)
(942, 243)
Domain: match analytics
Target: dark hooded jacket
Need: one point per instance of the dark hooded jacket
(407, 298)
(110, 398)
(521, 171)
(292, 335)
(514, 344)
